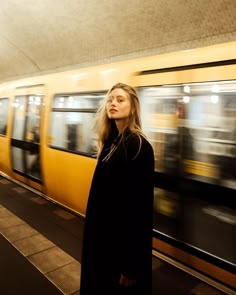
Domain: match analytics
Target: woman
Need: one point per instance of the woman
(117, 245)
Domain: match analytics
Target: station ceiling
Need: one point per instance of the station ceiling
(38, 37)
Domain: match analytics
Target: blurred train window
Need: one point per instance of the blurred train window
(23, 129)
(159, 108)
(33, 122)
(19, 117)
(192, 128)
(72, 122)
(25, 138)
(4, 106)
(209, 133)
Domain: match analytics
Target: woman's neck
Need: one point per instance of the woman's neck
(121, 125)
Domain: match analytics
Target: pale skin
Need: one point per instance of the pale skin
(118, 107)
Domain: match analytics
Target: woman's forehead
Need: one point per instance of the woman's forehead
(118, 92)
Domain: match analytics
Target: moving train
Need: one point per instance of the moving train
(188, 106)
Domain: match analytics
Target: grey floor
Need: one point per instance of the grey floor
(41, 250)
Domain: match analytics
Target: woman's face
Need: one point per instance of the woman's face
(118, 105)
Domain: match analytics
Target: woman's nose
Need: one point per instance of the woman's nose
(113, 102)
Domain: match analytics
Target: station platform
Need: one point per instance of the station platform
(40, 250)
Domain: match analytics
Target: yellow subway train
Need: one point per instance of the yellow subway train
(188, 107)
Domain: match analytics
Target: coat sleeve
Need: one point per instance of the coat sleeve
(138, 211)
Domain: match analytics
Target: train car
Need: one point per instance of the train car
(188, 105)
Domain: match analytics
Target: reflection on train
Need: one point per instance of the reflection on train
(193, 131)
(47, 142)
(72, 122)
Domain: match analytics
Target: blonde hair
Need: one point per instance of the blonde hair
(105, 126)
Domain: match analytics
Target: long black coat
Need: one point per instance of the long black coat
(118, 225)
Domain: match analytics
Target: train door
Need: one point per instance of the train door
(25, 136)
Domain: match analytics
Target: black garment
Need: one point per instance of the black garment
(118, 225)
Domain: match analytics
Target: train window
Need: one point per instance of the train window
(25, 139)
(159, 107)
(209, 133)
(77, 102)
(72, 122)
(4, 105)
(19, 117)
(33, 122)
(192, 129)
(27, 130)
